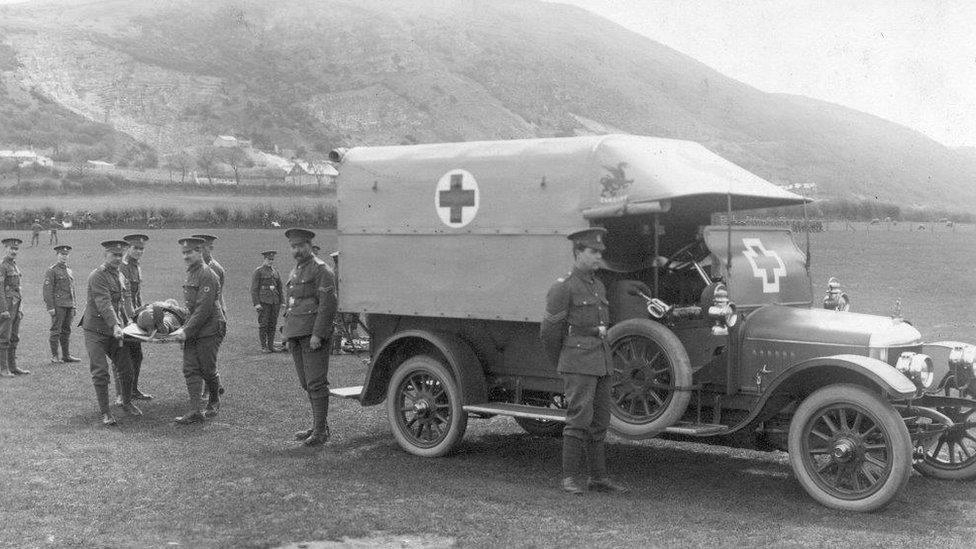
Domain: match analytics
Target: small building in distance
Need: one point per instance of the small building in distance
(231, 142)
(311, 173)
(25, 158)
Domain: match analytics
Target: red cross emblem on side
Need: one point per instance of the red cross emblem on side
(766, 265)
(457, 198)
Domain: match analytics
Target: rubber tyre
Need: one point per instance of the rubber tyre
(424, 378)
(938, 468)
(631, 379)
(891, 430)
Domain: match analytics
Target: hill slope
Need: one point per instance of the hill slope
(318, 74)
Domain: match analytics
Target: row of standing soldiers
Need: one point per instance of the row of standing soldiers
(114, 299)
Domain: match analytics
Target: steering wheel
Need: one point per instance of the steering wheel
(686, 255)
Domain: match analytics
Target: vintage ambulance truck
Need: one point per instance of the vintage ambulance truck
(716, 334)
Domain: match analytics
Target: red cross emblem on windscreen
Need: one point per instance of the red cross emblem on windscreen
(457, 198)
(767, 265)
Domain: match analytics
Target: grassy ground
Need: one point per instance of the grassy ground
(238, 481)
(187, 202)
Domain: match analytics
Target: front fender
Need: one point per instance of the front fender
(457, 355)
(890, 381)
(803, 378)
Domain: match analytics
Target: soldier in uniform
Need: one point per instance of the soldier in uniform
(36, 229)
(573, 333)
(202, 333)
(208, 258)
(10, 312)
(107, 311)
(53, 225)
(267, 298)
(311, 306)
(59, 299)
(133, 278)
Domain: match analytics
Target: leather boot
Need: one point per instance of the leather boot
(192, 415)
(302, 435)
(573, 455)
(136, 393)
(599, 480)
(66, 355)
(320, 422)
(4, 372)
(12, 363)
(54, 352)
(101, 394)
(125, 380)
(213, 401)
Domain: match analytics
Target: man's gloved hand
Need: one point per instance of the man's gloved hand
(50, 312)
(257, 307)
(178, 335)
(315, 343)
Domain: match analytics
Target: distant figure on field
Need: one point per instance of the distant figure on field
(53, 225)
(36, 229)
(267, 297)
(59, 299)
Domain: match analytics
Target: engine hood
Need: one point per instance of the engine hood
(780, 323)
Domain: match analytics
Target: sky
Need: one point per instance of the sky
(911, 62)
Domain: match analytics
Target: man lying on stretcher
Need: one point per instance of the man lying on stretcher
(156, 320)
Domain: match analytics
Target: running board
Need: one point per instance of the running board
(347, 392)
(517, 410)
(697, 429)
(551, 414)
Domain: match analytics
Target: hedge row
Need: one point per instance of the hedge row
(54, 183)
(320, 216)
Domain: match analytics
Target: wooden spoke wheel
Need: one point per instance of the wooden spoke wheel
(849, 448)
(424, 407)
(651, 378)
(952, 456)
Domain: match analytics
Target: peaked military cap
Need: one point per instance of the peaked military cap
(208, 238)
(299, 235)
(191, 242)
(270, 254)
(12, 241)
(62, 248)
(115, 246)
(591, 238)
(137, 240)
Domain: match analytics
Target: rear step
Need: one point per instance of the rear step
(347, 392)
(552, 414)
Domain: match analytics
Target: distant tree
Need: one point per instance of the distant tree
(207, 161)
(10, 166)
(181, 162)
(236, 159)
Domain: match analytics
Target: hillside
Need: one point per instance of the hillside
(319, 74)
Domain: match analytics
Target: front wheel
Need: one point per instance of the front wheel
(423, 404)
(849, 448)
(952, 456)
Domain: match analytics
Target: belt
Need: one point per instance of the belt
(592, 331)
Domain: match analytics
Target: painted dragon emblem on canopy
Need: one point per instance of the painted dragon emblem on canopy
(615, 182)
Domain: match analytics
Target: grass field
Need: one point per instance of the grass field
(188, 202)
(238, 481)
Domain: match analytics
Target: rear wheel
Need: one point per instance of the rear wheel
(952, 456)
(849, 448)
(423, 404)
(651, 378)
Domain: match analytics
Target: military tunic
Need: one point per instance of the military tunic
(310, 300)
(107, 307)
(574, 336)
(10, 304)
(204, 325)
(266, 291)
(133, 285)
(59, 296)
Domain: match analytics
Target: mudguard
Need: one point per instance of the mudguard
(461, 360)
(811, 374)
